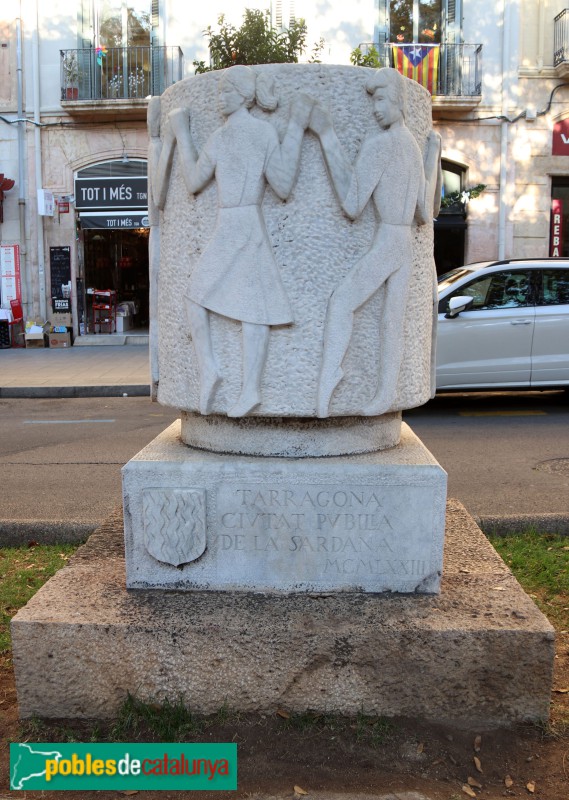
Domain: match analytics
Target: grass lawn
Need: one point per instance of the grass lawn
(540, 562)
(22, 571)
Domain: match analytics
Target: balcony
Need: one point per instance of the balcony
(117, 79)
(561, 44)
(459, 78)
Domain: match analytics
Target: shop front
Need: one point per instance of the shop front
(111, 199)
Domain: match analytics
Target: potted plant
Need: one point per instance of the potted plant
(70, 68)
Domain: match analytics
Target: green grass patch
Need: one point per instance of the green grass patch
(168, 721)
(23, 570)
(540, 562)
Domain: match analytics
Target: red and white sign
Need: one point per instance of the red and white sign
(556, 237)
(10, 281)
(560, 144)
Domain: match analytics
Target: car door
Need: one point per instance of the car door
(550, 350)
(489, 343)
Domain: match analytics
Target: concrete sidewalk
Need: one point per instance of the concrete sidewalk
(97, 371)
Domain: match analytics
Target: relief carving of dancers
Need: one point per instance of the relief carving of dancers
(237, 276)
(390, 171)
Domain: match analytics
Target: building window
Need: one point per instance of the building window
(123, 23)
(122, 39)
(420, 21)
(415, 21)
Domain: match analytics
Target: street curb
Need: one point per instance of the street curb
(35, 392)
(520, 523)
(15, 533)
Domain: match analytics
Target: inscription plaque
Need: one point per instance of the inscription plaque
(371, 523)
(323, 530)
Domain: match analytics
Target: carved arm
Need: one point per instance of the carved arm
(429, 202)
(197, 170)
(283, 163)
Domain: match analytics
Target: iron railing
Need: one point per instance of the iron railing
(561, 38)
(459, 69)
(119, 73)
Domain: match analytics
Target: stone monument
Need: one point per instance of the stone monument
(295, 293)
(297, 523)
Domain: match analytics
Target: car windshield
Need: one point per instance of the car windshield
(446, 280)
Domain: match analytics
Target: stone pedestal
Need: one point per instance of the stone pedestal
(198, 520)
(478, 654)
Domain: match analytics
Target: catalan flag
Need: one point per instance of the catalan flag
(419, 62)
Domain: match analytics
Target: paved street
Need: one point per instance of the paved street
(60, 459)
(505, 453)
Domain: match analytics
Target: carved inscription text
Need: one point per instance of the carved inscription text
(345, 531)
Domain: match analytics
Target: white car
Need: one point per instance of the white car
(504, 325)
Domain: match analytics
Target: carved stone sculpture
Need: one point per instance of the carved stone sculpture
(293, 277)
(295, 274)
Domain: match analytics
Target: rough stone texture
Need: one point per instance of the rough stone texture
(314, 244)
(480, 653)
(197, 520)
(291, 438)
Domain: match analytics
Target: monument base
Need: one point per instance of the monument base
(197, 520)
(478, 654)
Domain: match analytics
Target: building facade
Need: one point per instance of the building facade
(76, 75)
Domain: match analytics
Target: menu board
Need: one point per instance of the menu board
(60, 269)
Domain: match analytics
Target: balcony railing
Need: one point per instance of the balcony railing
(561, 38)
(119, 73)
(459, 72)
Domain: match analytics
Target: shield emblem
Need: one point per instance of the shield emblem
(174, 522)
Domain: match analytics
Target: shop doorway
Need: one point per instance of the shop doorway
(450, 225)
(112, 200)
(118, 260)
(450, 235)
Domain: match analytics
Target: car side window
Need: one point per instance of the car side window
(508, 289)
(554, 287)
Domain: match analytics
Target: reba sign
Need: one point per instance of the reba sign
(556, 237)
(560, 143)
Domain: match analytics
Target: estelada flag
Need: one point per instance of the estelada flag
(419, 62)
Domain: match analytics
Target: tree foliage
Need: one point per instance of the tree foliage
(370, 59)
(255, 42)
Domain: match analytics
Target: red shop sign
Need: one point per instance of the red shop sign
(560, 144)
(556, 236)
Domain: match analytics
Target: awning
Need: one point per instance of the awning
(114, 220)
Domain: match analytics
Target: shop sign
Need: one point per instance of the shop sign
(131, 192)
(10, 281)
(560, 144)
(116, 221)
(556, 237)
(60, 270)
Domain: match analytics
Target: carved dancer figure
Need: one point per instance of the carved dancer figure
(389, 170)
(237, 275)
(156, 199)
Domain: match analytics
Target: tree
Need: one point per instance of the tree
(369, 59)
(255, 42)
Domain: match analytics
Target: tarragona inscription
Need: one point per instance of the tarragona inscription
(347, 531)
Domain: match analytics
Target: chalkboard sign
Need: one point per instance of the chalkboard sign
(60, 268)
